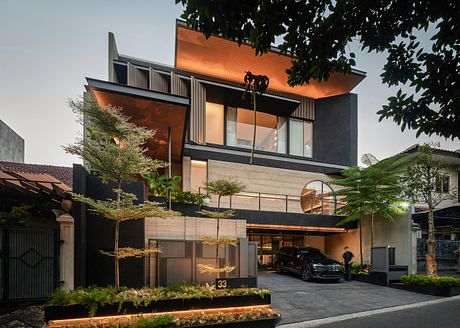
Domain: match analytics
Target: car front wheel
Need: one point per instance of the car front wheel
(306, 273)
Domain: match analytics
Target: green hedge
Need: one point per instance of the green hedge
(419, 280)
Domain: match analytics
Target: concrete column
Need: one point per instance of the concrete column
(66, 254)
(416, 233)
(244, 260)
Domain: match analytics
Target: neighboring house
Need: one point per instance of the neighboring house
(305, 135)
(446, 214)
(11, 145)
(36, 252)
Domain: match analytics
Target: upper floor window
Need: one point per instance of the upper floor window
(214, 123)
(300, 138)
(442, 184)
(235, 127)
(270, 130)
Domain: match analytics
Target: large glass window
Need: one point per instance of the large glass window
(270, 130)
(214, 123)
(300, 138)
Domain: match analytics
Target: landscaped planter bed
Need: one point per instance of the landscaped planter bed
(56, 312)
(250, 317)
(429, 290)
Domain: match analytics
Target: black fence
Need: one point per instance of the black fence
(29, 262)
(445, 256)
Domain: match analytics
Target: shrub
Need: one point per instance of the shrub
(428, 281)
(357, 268)
(188, 197)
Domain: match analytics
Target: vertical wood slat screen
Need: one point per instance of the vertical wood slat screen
(198, 112)
(157, 81)
(131, 74)
(306, 109)
(178, 86)
(137, 77)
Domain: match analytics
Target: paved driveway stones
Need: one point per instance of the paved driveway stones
(298, 300)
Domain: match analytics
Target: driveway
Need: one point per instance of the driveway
(298, 300)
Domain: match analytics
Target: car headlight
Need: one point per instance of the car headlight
(318, 266)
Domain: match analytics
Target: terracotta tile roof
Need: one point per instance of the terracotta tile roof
(61, 173)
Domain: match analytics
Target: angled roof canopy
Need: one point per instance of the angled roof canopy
(225, 59)
(154, 110)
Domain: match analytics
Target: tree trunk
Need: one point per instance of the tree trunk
(217, 236)
(255, 126)
(430, 256)
(217, 249)
(372, 229)
(115, 249)
(360, 242)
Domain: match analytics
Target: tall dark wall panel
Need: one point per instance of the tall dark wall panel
(95, 233)
(335, 129)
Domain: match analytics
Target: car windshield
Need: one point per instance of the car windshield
(313, 254)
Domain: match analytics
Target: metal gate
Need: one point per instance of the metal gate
(445, 257)
(29, 263)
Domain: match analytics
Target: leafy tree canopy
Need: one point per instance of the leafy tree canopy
(317, 34)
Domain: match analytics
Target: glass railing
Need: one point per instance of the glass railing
(259, 201)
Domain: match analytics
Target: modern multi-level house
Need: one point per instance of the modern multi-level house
(305, 135)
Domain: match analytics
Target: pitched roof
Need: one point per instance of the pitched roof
(61, 173)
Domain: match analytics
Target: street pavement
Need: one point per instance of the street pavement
(299, 301)
(443, 313)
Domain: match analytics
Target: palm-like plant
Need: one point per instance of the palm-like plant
(372, 190)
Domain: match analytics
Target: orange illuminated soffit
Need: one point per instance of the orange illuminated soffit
(224, 59)
(293, 228)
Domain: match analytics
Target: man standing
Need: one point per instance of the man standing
(347, 256)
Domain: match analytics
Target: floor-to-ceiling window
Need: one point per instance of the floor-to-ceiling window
(273, 133)
(214, 123)
(300, 138)
(270, 130)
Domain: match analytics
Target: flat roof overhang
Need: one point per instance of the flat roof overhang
(156, 111)
(224, 59)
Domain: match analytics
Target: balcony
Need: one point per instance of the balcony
(271, 202)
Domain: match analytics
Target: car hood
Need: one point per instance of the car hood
(322, 261)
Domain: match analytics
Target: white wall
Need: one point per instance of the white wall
(398, 235)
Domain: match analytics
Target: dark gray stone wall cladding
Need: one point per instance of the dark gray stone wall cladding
(94, 233)
(335, 132)
(11, 145)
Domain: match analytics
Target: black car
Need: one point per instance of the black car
(309, 262)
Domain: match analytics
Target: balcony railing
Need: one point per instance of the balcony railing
(259, 201)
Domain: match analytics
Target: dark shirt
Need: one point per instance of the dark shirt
(347, 256)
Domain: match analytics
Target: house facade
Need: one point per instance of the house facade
(204, 122)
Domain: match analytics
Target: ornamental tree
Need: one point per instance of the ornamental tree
(220, 187)
(113, 149)
(422, 39)
(420, 186)
(371, 190)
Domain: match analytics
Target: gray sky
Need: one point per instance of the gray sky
(47, 48)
